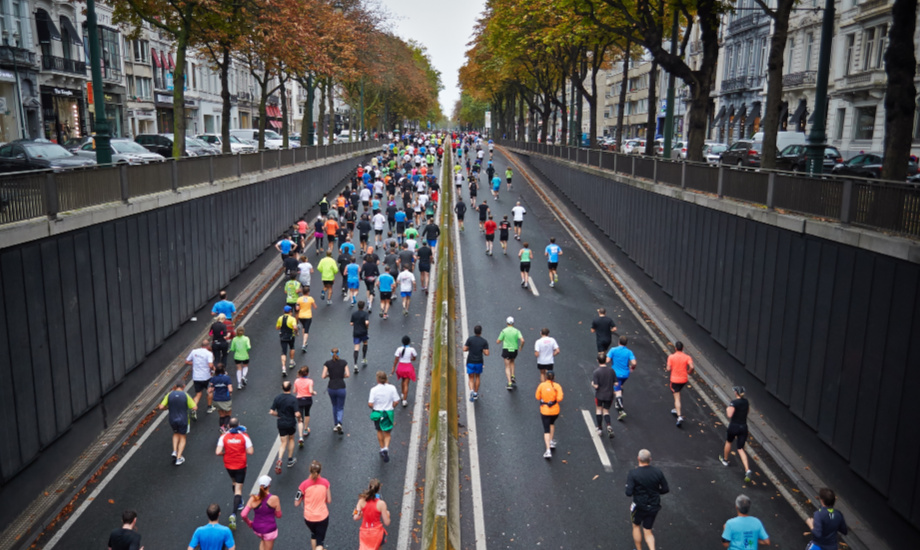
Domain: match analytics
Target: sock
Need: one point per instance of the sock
(356, 355)
(245, 372)
(598, 418)
(237, 502)
(607, 419)
(363, 351)
(239, 376)
(619, 403)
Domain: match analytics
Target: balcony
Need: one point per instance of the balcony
(862, 85)
(62, 65)
(744, 23)
(872, 8)
(745, 82)
(20, 57)
(111, 75)
(800, 79)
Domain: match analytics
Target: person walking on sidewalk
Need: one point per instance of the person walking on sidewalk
(549, 394)
(181, 406)
(202, 362)
(314, 493)
(287, 331)
(526, 255)
(240, 347)
(336, 370)
(403, 368)
(382, 399)
(284, 407)
(737, 412)
(552, 253)
(603, 380)
(623, 362)
(826, 523)
(545, 350)
(744, 531)
(476, 348)
(603, 328)
(645, 485)
(213, 535)
(511, 340)
(372, 511)
(234, 446)
(360, 321)
(680, 367)
(267, 510)
(304, 392)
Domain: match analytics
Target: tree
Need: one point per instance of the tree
(780, 16)
(901, 95)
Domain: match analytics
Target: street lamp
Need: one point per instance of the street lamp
(102, 139)
(817, 136)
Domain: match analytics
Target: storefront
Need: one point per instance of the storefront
(164, 112)
(114, 113)
(10, 125)
(142, 121)
(63, 113)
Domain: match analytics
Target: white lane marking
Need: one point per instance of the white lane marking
(479, 527)
(265, 468)
(596, 439)
(533, 287)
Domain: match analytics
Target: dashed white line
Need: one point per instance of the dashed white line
(596, 439)
(533, 287)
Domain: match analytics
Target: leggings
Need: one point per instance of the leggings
(338, 404)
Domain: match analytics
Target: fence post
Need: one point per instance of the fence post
(633, 173)
(52, 201)
(123, 180)
(211, 169)
(278, 160)
(771, 189)
(720, 186)
(175, 176)
(846, 201)
(615, 157)
(655, 169)
(261, 161)
(239, 165)
(683, 175)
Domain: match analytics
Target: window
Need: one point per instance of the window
(864, 124)
(19, 38)
(728, 63)
(809, 43)
(881, 38)
(142, 88)
(763, 56)
(841, 118)
(868, 48)
(790, 55)
(849, 46)
(141, 51)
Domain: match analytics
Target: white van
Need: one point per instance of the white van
(273, 140)
(784, 139)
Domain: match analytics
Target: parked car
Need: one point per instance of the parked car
(162, 144)
(784, 139)
(124, 151)
(712, 152)
(236, 145)
(273, 139)
(679, 150)
(23, 155)
(634, 146)
(868, 165)
(794, 158)
(74, 144)
(608, 143)
(743, 153)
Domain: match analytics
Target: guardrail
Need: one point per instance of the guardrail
(33, 194)
(880, 205)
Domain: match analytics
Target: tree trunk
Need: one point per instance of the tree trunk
(555, 116)
(522, 122)
(651, 120)
(621, 108)
(282, 79)
(178, 95)
(330, 98)
(225, 101)
(544, 116)
(775, 81)
(901, 95)
(564, 115)
(321, 127)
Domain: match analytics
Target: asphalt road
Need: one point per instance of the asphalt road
(571, 501)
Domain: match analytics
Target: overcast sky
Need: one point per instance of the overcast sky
(443, 28)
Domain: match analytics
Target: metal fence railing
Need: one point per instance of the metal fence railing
(888, 206)
(27, 195)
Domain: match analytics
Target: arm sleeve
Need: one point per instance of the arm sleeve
(763, 533)
(630, 484)
(165, 401)
(663, 485)
(189, 401)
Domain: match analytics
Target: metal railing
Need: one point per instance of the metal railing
(34, 194)
(886, 206)
(63, 65)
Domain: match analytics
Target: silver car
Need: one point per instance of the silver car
(712, 152)
(124, 151)
(236, 144)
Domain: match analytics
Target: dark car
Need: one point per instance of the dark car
(868, 165)
(161, 144)
(38, 155)
(794, 158)
(743, 153)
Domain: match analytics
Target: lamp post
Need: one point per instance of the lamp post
(669, 106)
(817, 136)
(102, 140)
(361, 136)
(311, 132)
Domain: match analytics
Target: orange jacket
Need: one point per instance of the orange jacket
(550, 394)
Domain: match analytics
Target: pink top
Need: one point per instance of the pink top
(314, 498)
(303, 387)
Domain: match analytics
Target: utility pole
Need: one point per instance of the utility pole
(669, 108)
(817, 137)
(102, 140)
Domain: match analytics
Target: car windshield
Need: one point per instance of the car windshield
(127, 146)
(49, 151)
(831, 152)
(272, 135)
(718, 149)
(757, 146)
(192, 142)
(234, 139)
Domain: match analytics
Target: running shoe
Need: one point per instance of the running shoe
(555, 277)
(472, 396)
(231, 522)
(674, 412)
(609, 431)
(386, 455)
(405, 403)
(364, 362)
(328, 302)
(283, 371)
(513, 382)
(278, 467)
(211, 409)
(322, 295)
(180, 461)
(747, 476)
(245, 381)
(338, 427)
(597, 431)
(239, 386)
(381, 315)
(303, 349)
(174, 454)
(723, 461)
(292, 461)
(194, 414)
(406, 312)
(548, 454)
(509, 387)
(680, 420)
(552, 284)
(308, 433)
(523, 284)
(552, 443)
(300, 442)
(621, 416)
(356, 369)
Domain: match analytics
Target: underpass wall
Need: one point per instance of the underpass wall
(831, 330)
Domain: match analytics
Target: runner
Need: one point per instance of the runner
(364, 230)
(645, 484)
(385, 283)
(292, 290)
(267, 509)
(484, 213)
(304, 392)
(344, 260)
(511, 340)
(490, 171)
(680, 365)
(489, 229)
(623, 362)
(603, 328)
(403, 368)
(234, 446)
(332, 227)
(552, 253)
(213, 535)
(826, 523)
(336, 370)
(496, 187)
(202, 362)
(285, 408)
(372, 511)
(179, 404)
(314, 493)
(603, 380)
(545, 350)
(219, 345)
(379, 221)
(352, 278)
(381, 400)
(319, 229)
(508, 174)
(477, 348)
(305, 306)
(220, 390)
(744, 531)
(369, 273)
(224, 306)
(474, 190)
(327, 268)
(549, 394)
(285, 246)
(126, 537)
(360, 321)
(430, 233)
(287, 330)
(504, 227)
(301, 227)
(406, 280)
(460, 209)
(737, 412)
(424, 254)
(304, 271)
(525, 254)
(517, 215)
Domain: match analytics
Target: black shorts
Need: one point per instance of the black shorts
(739, 432)
(305, 324)
(378, 232)
(180, 428)
(552, 265)
(287, 430)
(603, 345)
(201, 385)
(548, 420)
(388, 295)
(603, 403)
(675, 387)
(460, 217)
(644, 518)
(518, 224)
(238, 476)
(490, 237)
(508, 354)
(502, 236)
(545, 367)
(525, 267)
(286, 346)
(318, 530)
(328, 283)
(369, 286)
(424, 268)
(362, 237)
(483, 217)
(304, 404)
(241, 362)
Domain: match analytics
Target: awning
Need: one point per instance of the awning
(172, 64)
(156, 58)
(275, 124)
(783, 113)
(716, 121)
(742, 112)
(799, 113)
(752, 117)
(71, 30)
(732, 119)
(273, 111)
(46, 29)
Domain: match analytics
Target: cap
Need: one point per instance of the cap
(510, 320)
(287, 309)
(265, 481)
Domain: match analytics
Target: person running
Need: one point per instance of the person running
(353, 278)
(213, 535)
(305, 306)
(360, 321)
(549, 394)
(180, 405)
(406, 281)
(496, 187)
(552, 253)
(369, 273)
(504, 227)
(287, 331)
(403, 367)
(292, 289)
(372, 511)
(680, 366)
(517, 215)
(545, 350)
(737, 412)
(490, 171)
(234, 446)
(285, 246)
(623, 362)
(224, 306)
(344, 260)
(489, 229)
(220, 389)
(331, 227)
(202, 362)
(379, 221)
(319, 231)
(826, 523)
(460, 210)
(424, 255)
(304, 271)
(526, 255)
(382, 399)
(476, 348)
(474, 191)
(327, 268)
(645, 485)
(314, 493)
(266, 509)
(126, 537)
(744, 531)
(603, 328)
(385, 284)
(304, 392)
(364, 230)
(508, 174)
(430, 233)
(220, 347)
(484, 212)
(603, 380)
(511, 340)
(284, 407)
(336, 370)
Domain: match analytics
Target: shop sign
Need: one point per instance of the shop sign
(62, 91)
(7, 76)
(163, 98)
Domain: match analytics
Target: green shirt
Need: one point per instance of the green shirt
(411, 233)
(292, 289)
(510, 338)
(240, 347)
(526, 254)
(508, 173)
(327, 268)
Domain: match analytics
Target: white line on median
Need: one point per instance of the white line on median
(533, 287)
(596, 439)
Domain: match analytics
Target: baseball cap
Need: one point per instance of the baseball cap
(510, 320)
(265, 481)
(287, 309)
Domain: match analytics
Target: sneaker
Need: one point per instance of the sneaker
(723, 461)
(552, 444)
(239, 386)
(231, 522)
(292, 461)
(328, 302)
(552, 284)
(513, 382)
(621, 416)
(211, 409)
(322, 295)
(406, 312)
(303, 349)
(300, 442)
(680, 420)
(194, 414)
(523, 284)
(476, 395)
(308, 433)
(405, 403)
(381, 315)
(597, 431)
(609, 431)
(386, 455)
(364, 362)
(278, 467)
(283, 372)
(385, 316)
(747, 476)
(509, 387)
(555, 277)
(472, 396)
(548, 454)
(174, 454)
(180, 461)
(674, 412)
(338, 428)
(245, 381)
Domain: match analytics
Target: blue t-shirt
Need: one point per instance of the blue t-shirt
(366, 177)
(496, 182)
(375, 204)
(221, 383)
(224, 306)
(286, 246)
(553, 250)
(386, 282)
(743, 532)
(347, 248)
(400, 216)
(212, 537)
(351, 272)
(620, 357)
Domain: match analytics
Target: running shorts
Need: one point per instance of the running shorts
(287, 430)
(553, 265)
(508, 354)
(490, 237)
(474, 368)
(238, 476)
(201, 385)
(424, 267)
(287, 345)
(737, 431)
(304, 404)
(603, 403)
(386, 295)
(318, 530)
(518, 224)
(180, 428)
(548, 420)
(676, 387)
(305, 324)
(352, 285)
(545, 367)
(406, 294)
(359, 339)
(644, 518)
(525, 267)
